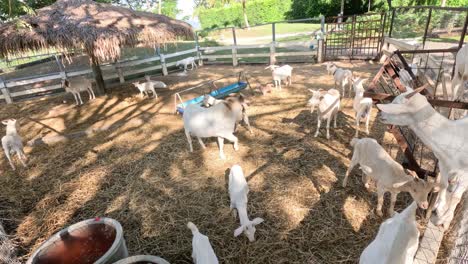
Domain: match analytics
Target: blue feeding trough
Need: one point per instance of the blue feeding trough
(218, 94)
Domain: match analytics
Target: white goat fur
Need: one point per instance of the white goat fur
(342, 78)
(202, 252)
(283, 73)
(216, 121)
(238, 190)
(460, 77)
(361, 105)
(396, 241)
(388, 174)
(149, 86)
(328, 103)
(12, 142)
(209, 100)
(446, 138)
(187, 61)
(77, 85)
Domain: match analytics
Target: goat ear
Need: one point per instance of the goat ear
(312, 91)
(408, 96)
(257, 221)
(239, 231)
(5, 122)
(411, 173)
(392, 108)
(398, 184)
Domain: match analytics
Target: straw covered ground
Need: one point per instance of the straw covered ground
(140, 173)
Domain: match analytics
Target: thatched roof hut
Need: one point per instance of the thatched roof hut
(101, 30)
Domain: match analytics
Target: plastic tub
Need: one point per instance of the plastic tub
(98, 241)
(142, 259)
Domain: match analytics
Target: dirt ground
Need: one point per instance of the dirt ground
(141, 174)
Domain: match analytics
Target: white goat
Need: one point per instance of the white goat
(342, 78)
(388, 174)
(264, 89)
(238, 190)
(209, 101)
(328, 103)
(78, 85)
(216, 121)
(397, 240)
(149, 86)
(187, 61)
(361, 105)
(12, 142)
(461, 74)
(283, 73)
(202, 252)
(155, 84)
(447, 139)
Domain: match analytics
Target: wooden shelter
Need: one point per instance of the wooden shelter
(101, 30)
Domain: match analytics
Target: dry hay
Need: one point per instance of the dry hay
(144, 177)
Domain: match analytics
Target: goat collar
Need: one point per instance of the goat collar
(336, 68)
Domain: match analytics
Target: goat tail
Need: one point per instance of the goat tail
(354, 141)
(192, 227)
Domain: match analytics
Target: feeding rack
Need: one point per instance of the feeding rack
(218, 93)
(385, 86)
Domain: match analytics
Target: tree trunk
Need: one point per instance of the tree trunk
(368, 8)
(444, 2)
(342, 7)
(389, 2)
(159, 6)
(244, 10)
(100, 85)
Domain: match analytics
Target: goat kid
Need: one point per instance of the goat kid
(202, 252)
(388, 174)
(238, 191)
(396, 241)
(12, 142)
(328, 103)
(361, 105)
(78, 85)
(342, 78)
(283, 73)
(187, 61)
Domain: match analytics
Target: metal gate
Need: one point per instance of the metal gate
(354, 37)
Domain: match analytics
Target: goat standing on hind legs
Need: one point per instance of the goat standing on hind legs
(12, 142)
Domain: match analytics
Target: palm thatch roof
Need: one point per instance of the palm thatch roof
(100, 29)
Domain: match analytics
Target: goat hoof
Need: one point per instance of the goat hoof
(222, 156)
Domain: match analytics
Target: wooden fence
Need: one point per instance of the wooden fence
(120, 70)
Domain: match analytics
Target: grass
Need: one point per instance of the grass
(266, 30)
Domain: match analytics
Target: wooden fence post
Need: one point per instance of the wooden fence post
(119, 71)
(163, 64)
(234, 48)
(197, 46)
(273, 53)
(5, 92)
(320, 50)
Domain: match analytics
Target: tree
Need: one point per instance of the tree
(244, 11)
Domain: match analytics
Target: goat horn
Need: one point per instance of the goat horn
(408, 96)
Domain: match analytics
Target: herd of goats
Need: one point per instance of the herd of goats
(398, 237)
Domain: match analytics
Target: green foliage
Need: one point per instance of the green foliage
(314, 8)
(258, 11)
(169, 8)
(456, 3)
